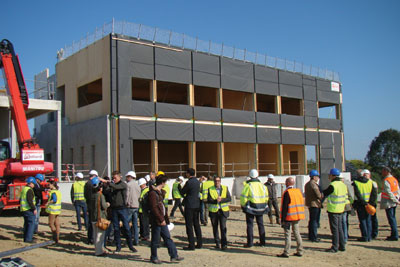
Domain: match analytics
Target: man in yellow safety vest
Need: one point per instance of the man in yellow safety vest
(337, 197)
(78, 199)
(28, 209)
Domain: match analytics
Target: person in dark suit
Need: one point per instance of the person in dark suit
(191, 201)
(218, 198)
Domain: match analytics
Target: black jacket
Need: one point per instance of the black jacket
(223, 200)
(190, 192)
(88, 190)
(38, 193)
(118, 195)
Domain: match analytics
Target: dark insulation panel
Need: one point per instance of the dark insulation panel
(310, 108)
(136, 60)
(330, 97)
(326, 139)
(329, 124)
(308, 80)
(268, 136)
(311, 138)
(238, 116)
(265, 118)
(142, 108)
(207, 133)
(323, 85)
(291, 91)
(267, 88)
(142, 130)
(239, 134)
(165, 110)
(206, 70)
(292, 121)
(310, 92)
(173, 66)
(174, 131)
(207, 113)
(311, 122)
(327, 165)
(293, 137)
(237, 75)
(290, 78)
(266, 74)
(326, 153)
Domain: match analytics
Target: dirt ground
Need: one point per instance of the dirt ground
(72, 250)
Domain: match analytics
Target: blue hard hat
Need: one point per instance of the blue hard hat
(40, 177)
(335, 172)
(314, 173)
(95, 181)
(31, 180)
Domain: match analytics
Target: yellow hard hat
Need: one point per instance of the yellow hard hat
(160, 173)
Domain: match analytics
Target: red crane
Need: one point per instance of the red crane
(14, 171)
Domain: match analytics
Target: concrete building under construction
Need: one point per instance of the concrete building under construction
(130, 103)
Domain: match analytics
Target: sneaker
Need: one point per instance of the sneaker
(157, 261)
(118, 250)
(177, 259)
(331, 250)
(283, 255)
(133, 249)
(297, 254)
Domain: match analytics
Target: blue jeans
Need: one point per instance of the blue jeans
(38, 208)
(365, 223)
(391, 216)
(121, 215)
(133, 214)
(158, 231)
(313, 223)
(345, 223)
(374, 222)
(29, 225)
(81, 204)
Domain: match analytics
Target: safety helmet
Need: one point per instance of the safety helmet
(147, 177)
(40, 177)
(363, 172)
(95, 181)
(334, 172)
(93, 172)
(142, 181)
(370, 209)
(253, 173)
(160, 173)
(271, 176)
(79, 175)
(314, 173)
(131, 173)
(31, 180)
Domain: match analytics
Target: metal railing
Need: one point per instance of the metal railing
(183, 41)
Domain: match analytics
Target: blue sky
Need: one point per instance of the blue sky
(358, 39)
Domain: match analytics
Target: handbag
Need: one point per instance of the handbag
(101, 223)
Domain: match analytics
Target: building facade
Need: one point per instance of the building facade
(130, 104)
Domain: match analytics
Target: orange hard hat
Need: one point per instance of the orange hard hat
(370, 209)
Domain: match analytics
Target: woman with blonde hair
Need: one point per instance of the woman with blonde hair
(54, 209)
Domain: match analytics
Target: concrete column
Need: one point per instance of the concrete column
(59, 143)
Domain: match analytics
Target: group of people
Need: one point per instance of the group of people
(31, 202)
(146, 199)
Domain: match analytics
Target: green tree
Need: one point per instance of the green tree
(384, 150)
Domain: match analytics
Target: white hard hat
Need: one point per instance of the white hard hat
(170, 226)
(142, 181)
(131, 173)
(271, 176)
(365, 172)
(147, 177)
(79, 175)
(93, 172)
(181, 177)
(253, 173)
